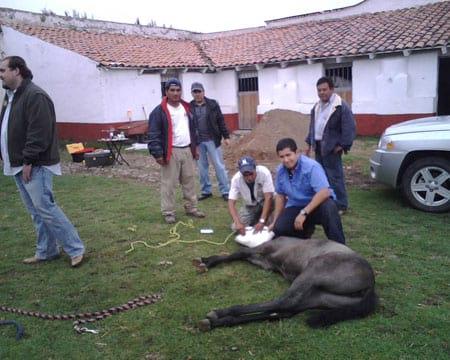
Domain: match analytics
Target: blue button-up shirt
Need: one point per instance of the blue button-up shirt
(308, 179)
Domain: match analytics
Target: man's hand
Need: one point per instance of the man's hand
(160, 161)
(240, 228)
(308, 151)
(197, 153)
(299, 221)
(338, 149)
(258, 228)
(26, 173)
(226, 142)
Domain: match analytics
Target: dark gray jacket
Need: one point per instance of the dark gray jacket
(32, 137)
(339, 130)
(216, 122)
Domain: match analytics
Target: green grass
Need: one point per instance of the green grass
(408, 249)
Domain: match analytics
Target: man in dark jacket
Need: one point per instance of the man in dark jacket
(173, 144)
(331, 133)
(29, 150)
(211, 128)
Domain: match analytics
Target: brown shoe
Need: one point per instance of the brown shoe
(170, 219)
(35, 260)
(76, 260)
(32, 260)
(196, 213)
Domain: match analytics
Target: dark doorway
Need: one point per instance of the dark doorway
(444, 87)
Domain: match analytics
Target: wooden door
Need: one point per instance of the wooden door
(248, 104)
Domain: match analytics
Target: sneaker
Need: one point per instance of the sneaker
(170, 219)
(36, 260)
(204, 196)
(342, 211)
(195, 213)
(225, 197)
(76, 260)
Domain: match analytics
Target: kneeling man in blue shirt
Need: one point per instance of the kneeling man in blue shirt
(304, 197)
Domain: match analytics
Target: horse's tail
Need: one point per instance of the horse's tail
(365, 307)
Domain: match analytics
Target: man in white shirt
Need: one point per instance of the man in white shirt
(254, 184)
(173, 143)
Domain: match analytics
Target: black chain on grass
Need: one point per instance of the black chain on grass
(84, 318)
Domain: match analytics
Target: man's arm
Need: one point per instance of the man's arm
(348, 128)
(235, 216)
(315, 202)
(155, 136)
(40, 128)
(265, 211)
(221, 124)
(280, 202)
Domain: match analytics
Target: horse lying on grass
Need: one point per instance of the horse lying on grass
(324, 275)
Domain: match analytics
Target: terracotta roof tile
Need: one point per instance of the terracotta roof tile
(413, 28)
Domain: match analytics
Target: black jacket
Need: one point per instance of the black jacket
(32, 137)
(216, 122)
(339, 130)
(160, 131)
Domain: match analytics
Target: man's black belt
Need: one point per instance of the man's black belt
(181, 147)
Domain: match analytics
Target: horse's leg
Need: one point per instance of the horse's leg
(292, 301)
(204, 263)
(208, 324)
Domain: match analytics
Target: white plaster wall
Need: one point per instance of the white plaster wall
(307, 76)
(396, 85)
(72, 81)
(129, 93)
(292, 88)
(225, 85)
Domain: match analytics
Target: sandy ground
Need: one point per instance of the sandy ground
(259, 143)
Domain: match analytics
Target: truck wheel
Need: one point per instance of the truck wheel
(426, 184)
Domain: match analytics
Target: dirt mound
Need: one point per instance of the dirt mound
(260, 143)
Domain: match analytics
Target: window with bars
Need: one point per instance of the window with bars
(341, 75)
(248, 81)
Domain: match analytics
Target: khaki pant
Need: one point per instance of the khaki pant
(179, 169)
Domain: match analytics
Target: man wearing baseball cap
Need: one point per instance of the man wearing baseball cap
(212, 129)
(173, 144)
(254, 184)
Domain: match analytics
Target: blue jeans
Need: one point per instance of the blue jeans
(215, 155)
(53, 227)
(332, 164)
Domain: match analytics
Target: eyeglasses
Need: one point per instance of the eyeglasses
(196, 91)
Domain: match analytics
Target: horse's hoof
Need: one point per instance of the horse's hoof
(204, 325)
(200, 265)
(212, 315)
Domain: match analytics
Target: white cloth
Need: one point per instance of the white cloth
(252, 240)
(323, 112)
(263, 184)
(180, 126)
(9, 170)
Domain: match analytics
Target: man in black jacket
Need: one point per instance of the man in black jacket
(29, 150)
(212, 128)
(331, 133)
(173, 144)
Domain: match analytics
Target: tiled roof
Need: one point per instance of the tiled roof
(406, 29)
(120, 50)
(413, 28)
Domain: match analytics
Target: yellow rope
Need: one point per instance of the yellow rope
(175, 237)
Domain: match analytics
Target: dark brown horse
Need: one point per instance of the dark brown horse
(324, 275)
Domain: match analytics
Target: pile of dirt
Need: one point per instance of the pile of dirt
(260, 143)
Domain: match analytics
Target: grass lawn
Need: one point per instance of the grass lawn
(408, 249)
